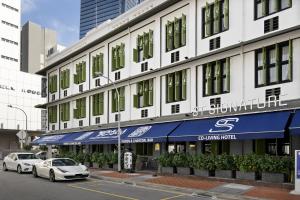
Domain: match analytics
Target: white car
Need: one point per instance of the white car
(60, 169)
(20, 162)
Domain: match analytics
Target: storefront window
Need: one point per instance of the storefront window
(192, 148)
(171, 148)
(144, 149)
(206, 147)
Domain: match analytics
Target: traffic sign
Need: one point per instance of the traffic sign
(21, 134)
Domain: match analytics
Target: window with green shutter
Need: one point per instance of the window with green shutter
(176, 86)
(52, 114)
(215, 18)
(80, 76)
(65, 79)
(263, 8)
(115, 103)
(98, 104)
(176, 33)
(65, 112)
(80, 110)
(52, 84)
(216, 77)
(144, 96)
(97, 65)
(144, 47)
(118, 57)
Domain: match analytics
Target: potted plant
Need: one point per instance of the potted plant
(94, 160)
(275, 169)
(248, 166)
(225, 166)
(204, 165)
(87, 160)
(80, 157)
(182, 163)
(166, 163)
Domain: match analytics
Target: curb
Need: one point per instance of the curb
(187, 191)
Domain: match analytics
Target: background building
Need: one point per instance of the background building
(37, 43)
(17, 88)
(95, 12)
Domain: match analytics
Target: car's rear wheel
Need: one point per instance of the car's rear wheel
(19, 169)
(4, 167)
(52, 176)
(34, 172)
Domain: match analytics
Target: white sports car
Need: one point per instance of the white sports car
(60, 169)
(20, 162)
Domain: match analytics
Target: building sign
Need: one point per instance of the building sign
(27, 91)
(107, 134)
(83, 136)
(134, 137)
(138, 140)
(243, 105)
(52, 138)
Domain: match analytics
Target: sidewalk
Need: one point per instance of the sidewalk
(198, 186)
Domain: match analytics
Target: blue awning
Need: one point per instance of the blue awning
(76, 138)
(149, 133)
(295, 125)
(49, 140)
(240, 127)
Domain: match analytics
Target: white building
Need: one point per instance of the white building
(170, 57)
(17, 88)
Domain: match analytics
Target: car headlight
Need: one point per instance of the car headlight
(61, 170)
(26, 164)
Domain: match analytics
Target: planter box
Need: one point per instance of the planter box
(183, 170)
(246, 175)
(115, 167)
(167, 170)
(272, 177)
(95, 165)
(224, 173)
(201, 172)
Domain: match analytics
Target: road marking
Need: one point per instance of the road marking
(173, 197)
(105, 193)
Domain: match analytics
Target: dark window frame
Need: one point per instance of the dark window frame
(256, 2)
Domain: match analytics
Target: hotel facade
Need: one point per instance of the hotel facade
(198, 76)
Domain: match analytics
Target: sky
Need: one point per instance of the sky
(63, 16)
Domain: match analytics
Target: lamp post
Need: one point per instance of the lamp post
(119, 122)
(10, 106)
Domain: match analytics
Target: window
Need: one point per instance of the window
(216, 77)
(98, 104)
(274, 64)
(215, 18)
(144, 96)
(9, 7)
(144, 149)
(97, 65)
(9, 24)
(176, 86)
(52, 84)
(9, 58)
(267, 7)
(52, 114)
(115, 104)
(80, 75)
(65, 79)
(80, 110)
(176, 33)
(9, 41)
(144, 49)
(65, 112)
(118, 57)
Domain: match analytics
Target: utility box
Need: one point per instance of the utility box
(128, 161)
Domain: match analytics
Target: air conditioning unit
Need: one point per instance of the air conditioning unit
(97, 82)
(80, 122)
(273, 92)
(53, 97)
(175, 57)
(175, 109)
(117, 76)
(80, 88)
(144, 67)
(65, 125)
(214, 43)
(65, 93)
(53, 127)
(271, 24)
(215, 102)
(117, 117)
(97, 120)
(144, 113)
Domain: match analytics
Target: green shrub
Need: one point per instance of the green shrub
(249, 163)
(181, 160)
(111, 158)
(225, 162)
(166, 159)
(204, 162)
(276, 164)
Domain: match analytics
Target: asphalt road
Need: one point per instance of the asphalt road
(14, 186)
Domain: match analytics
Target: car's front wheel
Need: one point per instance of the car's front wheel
(19, 169)
(34, 172)
(52, 176)
(4, 168)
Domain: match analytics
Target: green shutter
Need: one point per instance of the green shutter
(68, 112)
(62, 77)
(146, 46)
(290, 60)
(55, 83)
(113, 101)
(207, 20)
(75, 78)
(101, 62)
(135, 55)
(135, 101)
(94, 105)
(226, 14)
(83, 78)
(170, 35)
(122, 55)
(208, 83)
(83, 101)
(264, 56)
(177, 86)
(146, 94)
(167, 37)
(277, 65)
(55, 114)
(217, 16)
(101, 103)
(150, 91)
(94, 67)
(61, 110)
(218, 77)
(113, 59)
(170, 88)
(227, 69)
(177, 33)
(264, 7)
(67, 78)
(75, 113)
(183, 30)
(150, 51)
(122, 98)
(49, 84)
(183, 84)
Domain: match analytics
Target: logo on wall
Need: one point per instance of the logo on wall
(140, 131)
(112, 133)
(224, 125)
(84, 136)
(52, 138)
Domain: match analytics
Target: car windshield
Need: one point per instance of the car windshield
(63, 162)
(26, 156)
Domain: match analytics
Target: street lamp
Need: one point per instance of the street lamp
(119, 122)
(10, 106)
